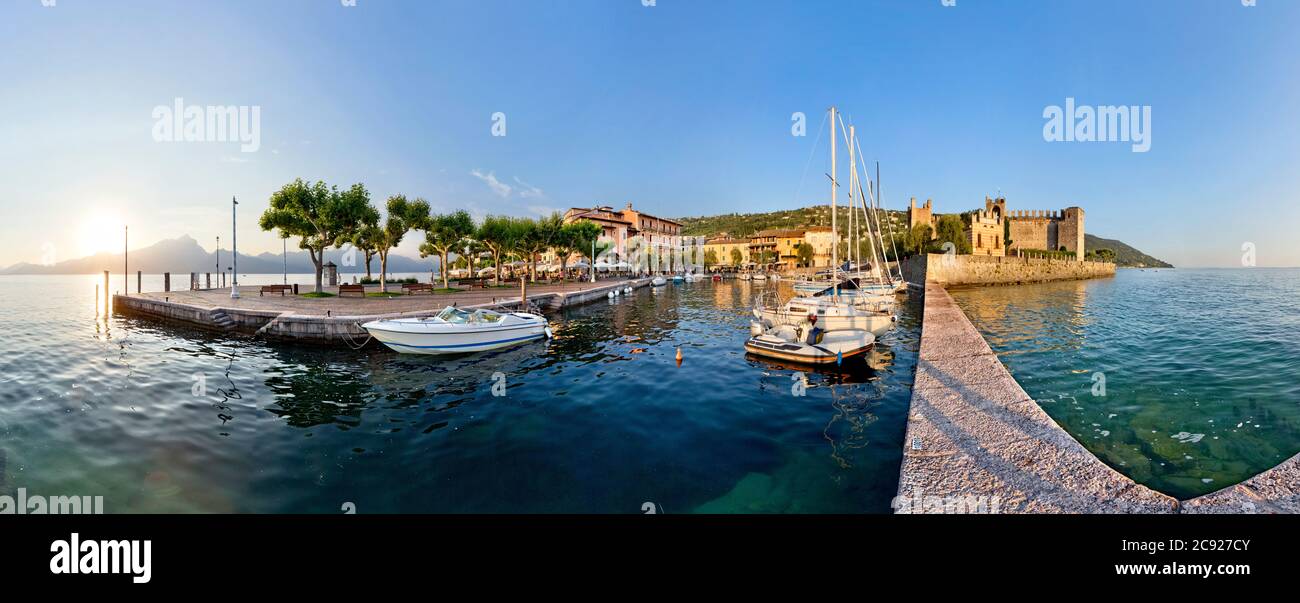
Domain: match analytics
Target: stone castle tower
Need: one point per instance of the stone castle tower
(1048, 230)
(921, 215)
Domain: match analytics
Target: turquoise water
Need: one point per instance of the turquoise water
(1201, 367)
(600, 419)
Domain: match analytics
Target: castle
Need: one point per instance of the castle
(993, 230)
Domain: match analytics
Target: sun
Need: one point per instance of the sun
(100, 230)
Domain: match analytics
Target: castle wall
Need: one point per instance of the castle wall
(998, 270)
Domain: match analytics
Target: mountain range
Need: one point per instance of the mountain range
(183, 254)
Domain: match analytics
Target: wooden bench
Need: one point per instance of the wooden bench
(346, 289)
(413, 288)
(281, 289)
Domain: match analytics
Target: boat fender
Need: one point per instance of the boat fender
(548, 333)
(755, 328)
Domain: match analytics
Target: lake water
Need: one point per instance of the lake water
(600, 419)
(1201, 367)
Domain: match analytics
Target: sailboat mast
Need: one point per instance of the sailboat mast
(835, 243)
(853, 179)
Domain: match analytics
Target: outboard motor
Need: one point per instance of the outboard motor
(755, 328)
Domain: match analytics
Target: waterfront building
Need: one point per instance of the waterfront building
(722, 247)
(776, 248)
(618, 226)
(822, 240)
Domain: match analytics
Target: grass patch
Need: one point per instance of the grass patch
(388, 294)
(450, 290)
(314, 294)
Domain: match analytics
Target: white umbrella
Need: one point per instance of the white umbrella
(579, 265)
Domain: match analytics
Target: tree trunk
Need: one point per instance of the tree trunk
(496, 268)
(369, 254)
(523, 294)
(445, 272)
(383, 271)
(319, 263)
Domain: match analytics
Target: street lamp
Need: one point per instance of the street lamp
(234, 251)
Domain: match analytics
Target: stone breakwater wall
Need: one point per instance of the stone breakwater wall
(329, 330)
(998, 270)
(977, 443)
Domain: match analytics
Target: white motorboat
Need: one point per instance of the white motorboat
(744, 276)
(458, 331)
(658, 281)
(759, 276)
(808, 345)
(677, 278)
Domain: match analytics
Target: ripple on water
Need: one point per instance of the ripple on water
(1197, 352)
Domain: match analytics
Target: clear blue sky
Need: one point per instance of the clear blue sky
(682, 108)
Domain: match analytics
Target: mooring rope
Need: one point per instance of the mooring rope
(347, 338)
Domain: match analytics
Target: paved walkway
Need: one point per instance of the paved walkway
(340, 306)
(974, 437)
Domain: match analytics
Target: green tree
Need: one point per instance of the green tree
(365, 240)
(571, 240)
(586, 234)
(495, 236)
(736, 257)
(710, 258)
(805, 253)
(952, 230)
(546, 233)
(444, 234)
(918, 239)
(321, 215)
(402, 216)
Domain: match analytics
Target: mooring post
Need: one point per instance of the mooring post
(167, 281)
(194, 281)
(106, 293)
(139, 278)
(207, 280)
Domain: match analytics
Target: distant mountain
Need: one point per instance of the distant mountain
(184, 255)
(1125, 256)
(745, 225)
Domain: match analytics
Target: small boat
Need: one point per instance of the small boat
(808, 345)
(828, 314)
(457, 331)
(677, 278)
(744, 276)
(717, 278)
(759, 276)
(658, 281)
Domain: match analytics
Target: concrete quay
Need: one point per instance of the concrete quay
(976, 442)
(336, 320)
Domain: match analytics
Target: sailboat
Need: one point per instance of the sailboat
(820, 332)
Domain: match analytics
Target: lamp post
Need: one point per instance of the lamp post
(234, 251)
(221, 275)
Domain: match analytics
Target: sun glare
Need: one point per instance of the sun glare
(101, 230)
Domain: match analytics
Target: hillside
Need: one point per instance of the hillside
(183, 254)
(1125, 255)
(744, 225)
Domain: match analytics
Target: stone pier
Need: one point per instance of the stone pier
(976, 442)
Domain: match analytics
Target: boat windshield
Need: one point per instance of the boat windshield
(485, 316)
(454, 315)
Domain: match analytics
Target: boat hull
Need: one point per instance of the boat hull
(835, 347)
(876, 324)
(456, 343)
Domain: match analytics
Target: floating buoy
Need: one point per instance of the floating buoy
(839, 358)
(611, 295)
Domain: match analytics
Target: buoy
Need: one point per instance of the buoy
(679, 356)
(839, 358)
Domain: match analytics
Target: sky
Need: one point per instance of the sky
(683, 108)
